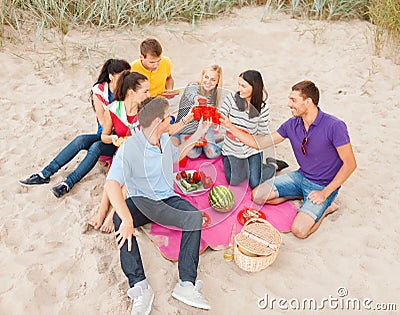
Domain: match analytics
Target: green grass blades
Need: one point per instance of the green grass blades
(19, 15)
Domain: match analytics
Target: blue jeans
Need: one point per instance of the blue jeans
(212, 150)
(294, 184)
(250, 168)
(173, 211)
(92, 143)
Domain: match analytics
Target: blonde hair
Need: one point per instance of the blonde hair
(217, 91)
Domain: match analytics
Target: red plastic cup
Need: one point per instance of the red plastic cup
(183, 162)
(211, 109)
(216, 117)
(202, 101)
(197, 113)
(206, 113)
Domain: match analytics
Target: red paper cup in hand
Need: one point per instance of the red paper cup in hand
(202, 101)
(206, 113)
(216, 117)
(197, 113)
(211, 109)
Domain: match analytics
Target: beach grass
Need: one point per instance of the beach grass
(385, 15)
(321, 9)
(19, 15)
(110, 13)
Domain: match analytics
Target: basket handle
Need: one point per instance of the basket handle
(258, 239)
(255, 237)
(254, 220)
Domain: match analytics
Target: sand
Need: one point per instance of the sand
(49, 266)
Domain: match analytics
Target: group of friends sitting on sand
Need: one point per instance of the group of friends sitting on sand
(137, 132)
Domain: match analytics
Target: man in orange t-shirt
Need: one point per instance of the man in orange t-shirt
(155, 67)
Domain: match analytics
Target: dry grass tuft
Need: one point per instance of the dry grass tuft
(37, 15)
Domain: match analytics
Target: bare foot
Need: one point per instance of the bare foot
(108, 224)
(331, 209)
(97, 220)
(175, 141)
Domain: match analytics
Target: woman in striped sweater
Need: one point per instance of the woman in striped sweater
(248, 110)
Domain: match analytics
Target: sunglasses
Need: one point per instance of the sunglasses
(172, 121)
(303, 145)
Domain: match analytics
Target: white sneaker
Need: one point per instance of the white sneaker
(142, 299)
(191, 295)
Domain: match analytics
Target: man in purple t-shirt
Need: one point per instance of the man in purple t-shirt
(322, 148)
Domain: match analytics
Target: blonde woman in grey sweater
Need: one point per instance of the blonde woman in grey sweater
(209, 87)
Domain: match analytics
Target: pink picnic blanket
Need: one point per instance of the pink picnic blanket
(216, 232)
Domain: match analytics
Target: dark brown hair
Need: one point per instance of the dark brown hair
(150, 109)
(111, 66)
(307, 89)
(258, 96)
(128, 81)
(150, 46)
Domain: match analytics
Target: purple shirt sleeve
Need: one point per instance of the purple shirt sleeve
(282, 130)
(339, 134)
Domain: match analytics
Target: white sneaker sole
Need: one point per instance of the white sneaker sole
(31, 185)
(191, 303)
(147, 312)
(150, 305)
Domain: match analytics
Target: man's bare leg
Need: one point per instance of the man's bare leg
(304, 225)
(108, 224)
(97, 220)
(264, 193)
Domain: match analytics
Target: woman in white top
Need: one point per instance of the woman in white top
(248, 110)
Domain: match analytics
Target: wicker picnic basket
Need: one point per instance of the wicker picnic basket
(257, 245)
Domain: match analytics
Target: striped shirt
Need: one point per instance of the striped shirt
(185, 105)
(255, 126)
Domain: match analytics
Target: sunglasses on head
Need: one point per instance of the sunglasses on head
(303, 145)
(172, 121)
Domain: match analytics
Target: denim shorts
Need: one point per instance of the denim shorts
(294, 184)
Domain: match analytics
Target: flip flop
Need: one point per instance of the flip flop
(281, 164)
